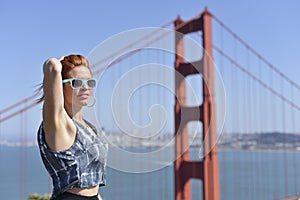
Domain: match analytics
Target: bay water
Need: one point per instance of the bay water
(243, 176)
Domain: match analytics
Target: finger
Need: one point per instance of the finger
(61, 58)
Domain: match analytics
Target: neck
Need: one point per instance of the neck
(74, 112)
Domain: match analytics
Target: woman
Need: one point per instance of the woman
(73, 151)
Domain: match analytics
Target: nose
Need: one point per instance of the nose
(85, 86)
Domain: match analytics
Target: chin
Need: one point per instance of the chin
(82, 103)
(85, 103)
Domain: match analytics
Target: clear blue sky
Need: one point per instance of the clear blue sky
(32, 31)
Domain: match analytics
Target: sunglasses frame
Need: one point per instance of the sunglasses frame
(84, 81)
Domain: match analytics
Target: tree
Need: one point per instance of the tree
(36, 196)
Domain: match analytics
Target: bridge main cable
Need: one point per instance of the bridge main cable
(291, 103)
(251, 49)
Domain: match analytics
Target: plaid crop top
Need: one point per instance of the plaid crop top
(82, 165)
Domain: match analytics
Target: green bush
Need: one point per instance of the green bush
(35, 196)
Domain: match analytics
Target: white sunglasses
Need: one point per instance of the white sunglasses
(77, 83)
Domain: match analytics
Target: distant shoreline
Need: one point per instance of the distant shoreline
(255, 142)
(30, 145)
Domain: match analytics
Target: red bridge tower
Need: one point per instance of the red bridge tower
(208, 168)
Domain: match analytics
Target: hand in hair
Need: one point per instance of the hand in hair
(61, 58)
(51, 65)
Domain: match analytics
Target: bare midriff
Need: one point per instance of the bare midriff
(89, 191)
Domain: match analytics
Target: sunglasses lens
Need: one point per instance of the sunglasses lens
(76, 83)
(91, 83)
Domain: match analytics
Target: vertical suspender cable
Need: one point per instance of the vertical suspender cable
(237, 83)
(225, 165)
(248, 119)
(21, 189)
(25, 155)
(275, 114)
(284, 131)
(294, 160)
(272, 121)
(259, 124)
(120, 133)
(159, 134)
(270, 125)
(114, 129)
(224, 157)
(0, 138)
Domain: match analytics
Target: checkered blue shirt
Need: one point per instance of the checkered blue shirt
(82, 165)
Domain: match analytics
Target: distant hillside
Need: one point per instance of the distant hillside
(260, 141)
(248, 142)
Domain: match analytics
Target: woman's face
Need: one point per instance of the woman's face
(81, 96)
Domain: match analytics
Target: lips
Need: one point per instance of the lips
(83, 96)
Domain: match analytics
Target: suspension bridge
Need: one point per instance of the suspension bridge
(229, 119)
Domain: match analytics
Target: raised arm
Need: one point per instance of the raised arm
(53, 90)
(58, 126)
